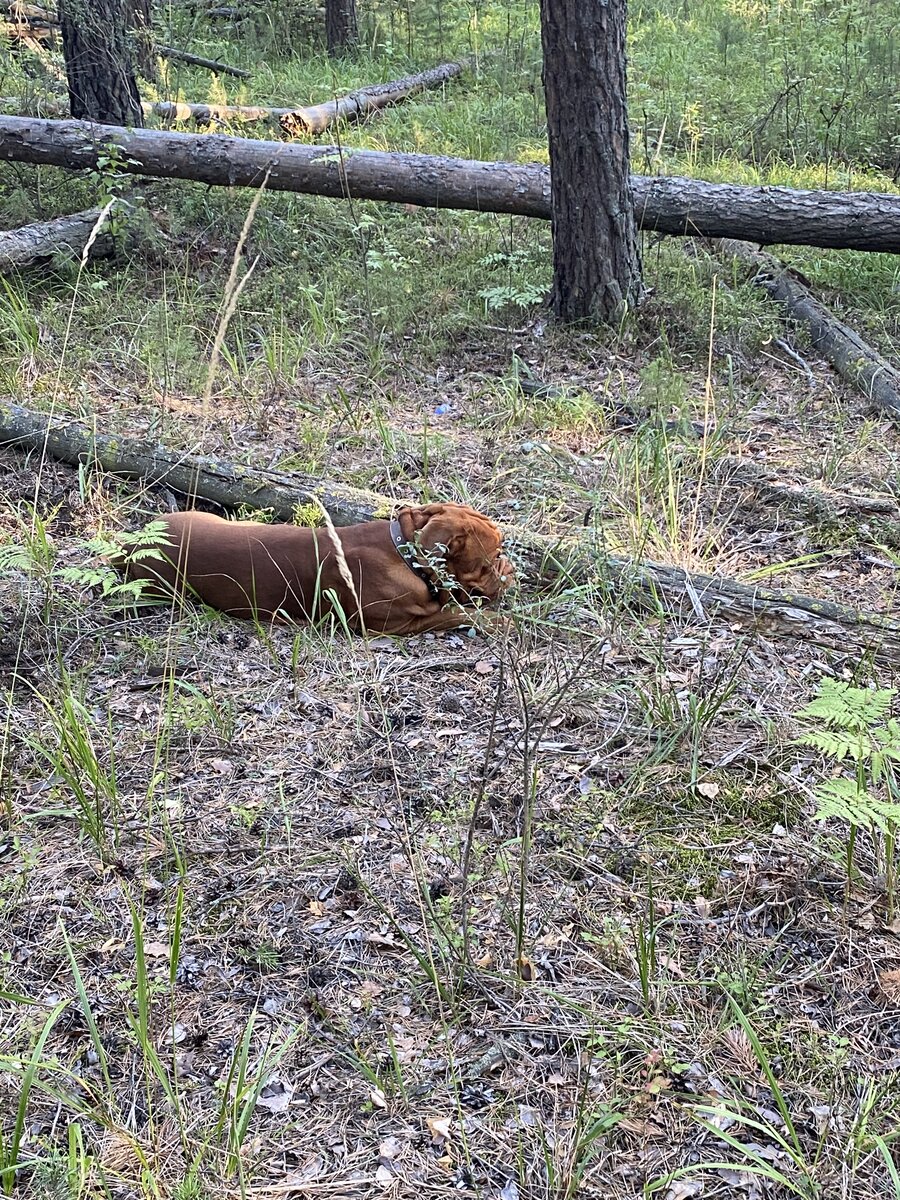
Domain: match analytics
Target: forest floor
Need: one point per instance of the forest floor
(546, 914)
(284, 817)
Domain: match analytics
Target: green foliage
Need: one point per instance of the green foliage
(798, 78)
(850, 709)
(35, 556)
(842, 798)
(851, 724)
(26, 1072)
(19, 330)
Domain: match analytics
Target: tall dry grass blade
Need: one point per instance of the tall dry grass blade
(233, 289)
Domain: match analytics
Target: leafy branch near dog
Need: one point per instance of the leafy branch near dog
(35, 557)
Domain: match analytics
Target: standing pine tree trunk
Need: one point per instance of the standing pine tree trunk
(341, 31)
(596, 255)
(103, 40)
(145, 56)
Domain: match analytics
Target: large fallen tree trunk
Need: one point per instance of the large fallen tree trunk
(855, 220)
(314, 118)
(853, 358)
(29, 244)
(578, 559)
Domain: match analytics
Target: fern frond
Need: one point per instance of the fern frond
(839, 743)
(841, 798)
(15, 558)
(841, 706)
(888, 739)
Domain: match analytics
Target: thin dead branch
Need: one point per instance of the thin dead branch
(195, 60)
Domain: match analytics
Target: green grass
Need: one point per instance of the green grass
(280, 901)
(334, 281)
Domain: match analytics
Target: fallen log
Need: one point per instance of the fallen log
(211, 114)
(362, 103)
(315, 118)
(854, 220)
(39, 241)
(578, 559)
(195, 60)
(858, 363)
(20, 11)
(27, 20)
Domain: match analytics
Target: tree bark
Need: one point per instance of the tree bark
(100, 47)
(694, 594)
(37, 242)
(596, 258)
(854, 359)
(855, 220)
(143, 40)
(341, 31)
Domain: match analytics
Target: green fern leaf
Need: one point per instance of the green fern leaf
(844, 800)
(14, 558)
(839, 743)
(888, 739)
(841, 706)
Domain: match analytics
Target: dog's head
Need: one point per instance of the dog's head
(463, 545)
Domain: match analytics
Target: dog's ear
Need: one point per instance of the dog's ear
(438, 524)
(418, 515)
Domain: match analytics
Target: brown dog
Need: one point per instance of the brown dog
(416, 573)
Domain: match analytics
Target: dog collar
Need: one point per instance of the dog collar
(408, 553)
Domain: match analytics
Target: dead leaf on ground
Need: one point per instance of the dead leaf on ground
(526, 968)
(276, 1096)
(221, 765)
(685, 1189)
(384, 1176)
(439, 1128)
(889, 987)
(390, 1148)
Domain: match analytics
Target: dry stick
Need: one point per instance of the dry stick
(855, 220)
(466, 861)
(579, 559)
(194, 60)
(233, 291)
(855, 360)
